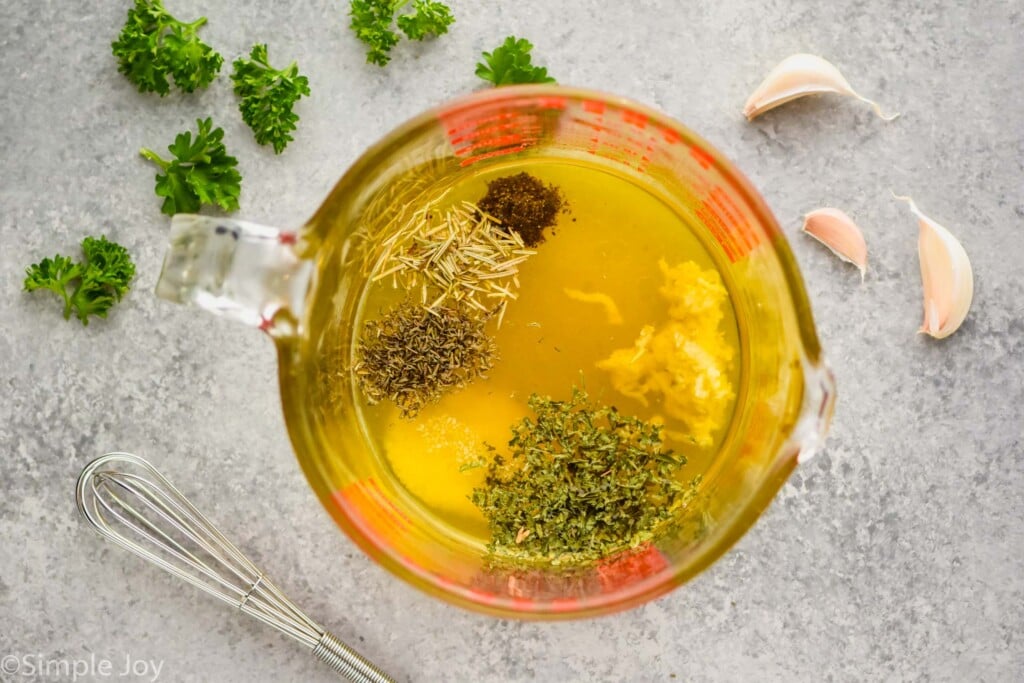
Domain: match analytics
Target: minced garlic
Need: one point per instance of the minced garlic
(684, 364)
(611, 310)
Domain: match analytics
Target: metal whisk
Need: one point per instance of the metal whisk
(130, 503)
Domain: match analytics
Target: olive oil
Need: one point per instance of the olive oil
(595, 284)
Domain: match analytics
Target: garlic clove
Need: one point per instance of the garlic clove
(946, 276)
(838, 232)
(797, 76)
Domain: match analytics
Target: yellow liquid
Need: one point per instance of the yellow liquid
(609, 243)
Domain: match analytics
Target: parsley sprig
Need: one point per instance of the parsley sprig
(199, 172)
(371, 21)
(267, 96)
(89, 288)
(429, 18)
(154, 45)
(511, 63)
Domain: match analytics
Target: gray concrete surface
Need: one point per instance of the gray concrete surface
(895, 555)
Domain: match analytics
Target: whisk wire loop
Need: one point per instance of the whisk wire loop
(134, 506)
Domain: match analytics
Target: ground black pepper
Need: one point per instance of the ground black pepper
(523, 204)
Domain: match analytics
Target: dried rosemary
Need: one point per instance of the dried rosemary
(392, 207)
(412, 356)
(581, 482)
(457, 256)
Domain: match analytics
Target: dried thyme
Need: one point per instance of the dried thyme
(458, 256)
(581, 482)
(412, 356)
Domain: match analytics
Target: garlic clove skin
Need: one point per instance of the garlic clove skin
(840, 234)
(946, 276)
(800, 75)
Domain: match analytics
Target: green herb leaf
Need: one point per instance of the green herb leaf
(91, 298)
(267, 96)
(153, 45)
(110, 265)
(581, 483)
(52, 274)
(511, 64)
(430, 18)
(371, 22)
(199, 172)
(102, 279)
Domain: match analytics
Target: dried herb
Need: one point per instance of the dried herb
(524, 205)
(505, 577)
(581, 483)
(457, 256)
(412, 356)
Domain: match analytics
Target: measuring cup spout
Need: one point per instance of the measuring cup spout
(236, 269)
(816, 414)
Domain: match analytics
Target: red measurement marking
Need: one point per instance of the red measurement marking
(642, 148)
(482, 128)
(501, 141)
(593, 125)
(469, 161)
(374, 509)
(457, 121)
(521, 604)
(551, 103)
(671, 136)
(634, 118)
(491, 136)
(287, 238)
(610, 141)
(482, 596)
(386, 505)
(564, 604)
(630, 567)
(719, 231)
(745, 234)
(597, 110)
(378, 519)
(442, 579)
(725, 221)
(482, 136)
(702, 157)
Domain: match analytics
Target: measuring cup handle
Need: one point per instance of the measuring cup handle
(240, 270)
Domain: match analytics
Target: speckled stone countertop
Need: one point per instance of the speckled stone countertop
(896, 554)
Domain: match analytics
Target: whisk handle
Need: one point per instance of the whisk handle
(348, 662)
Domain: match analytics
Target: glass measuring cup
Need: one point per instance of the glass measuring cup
(303, 288)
